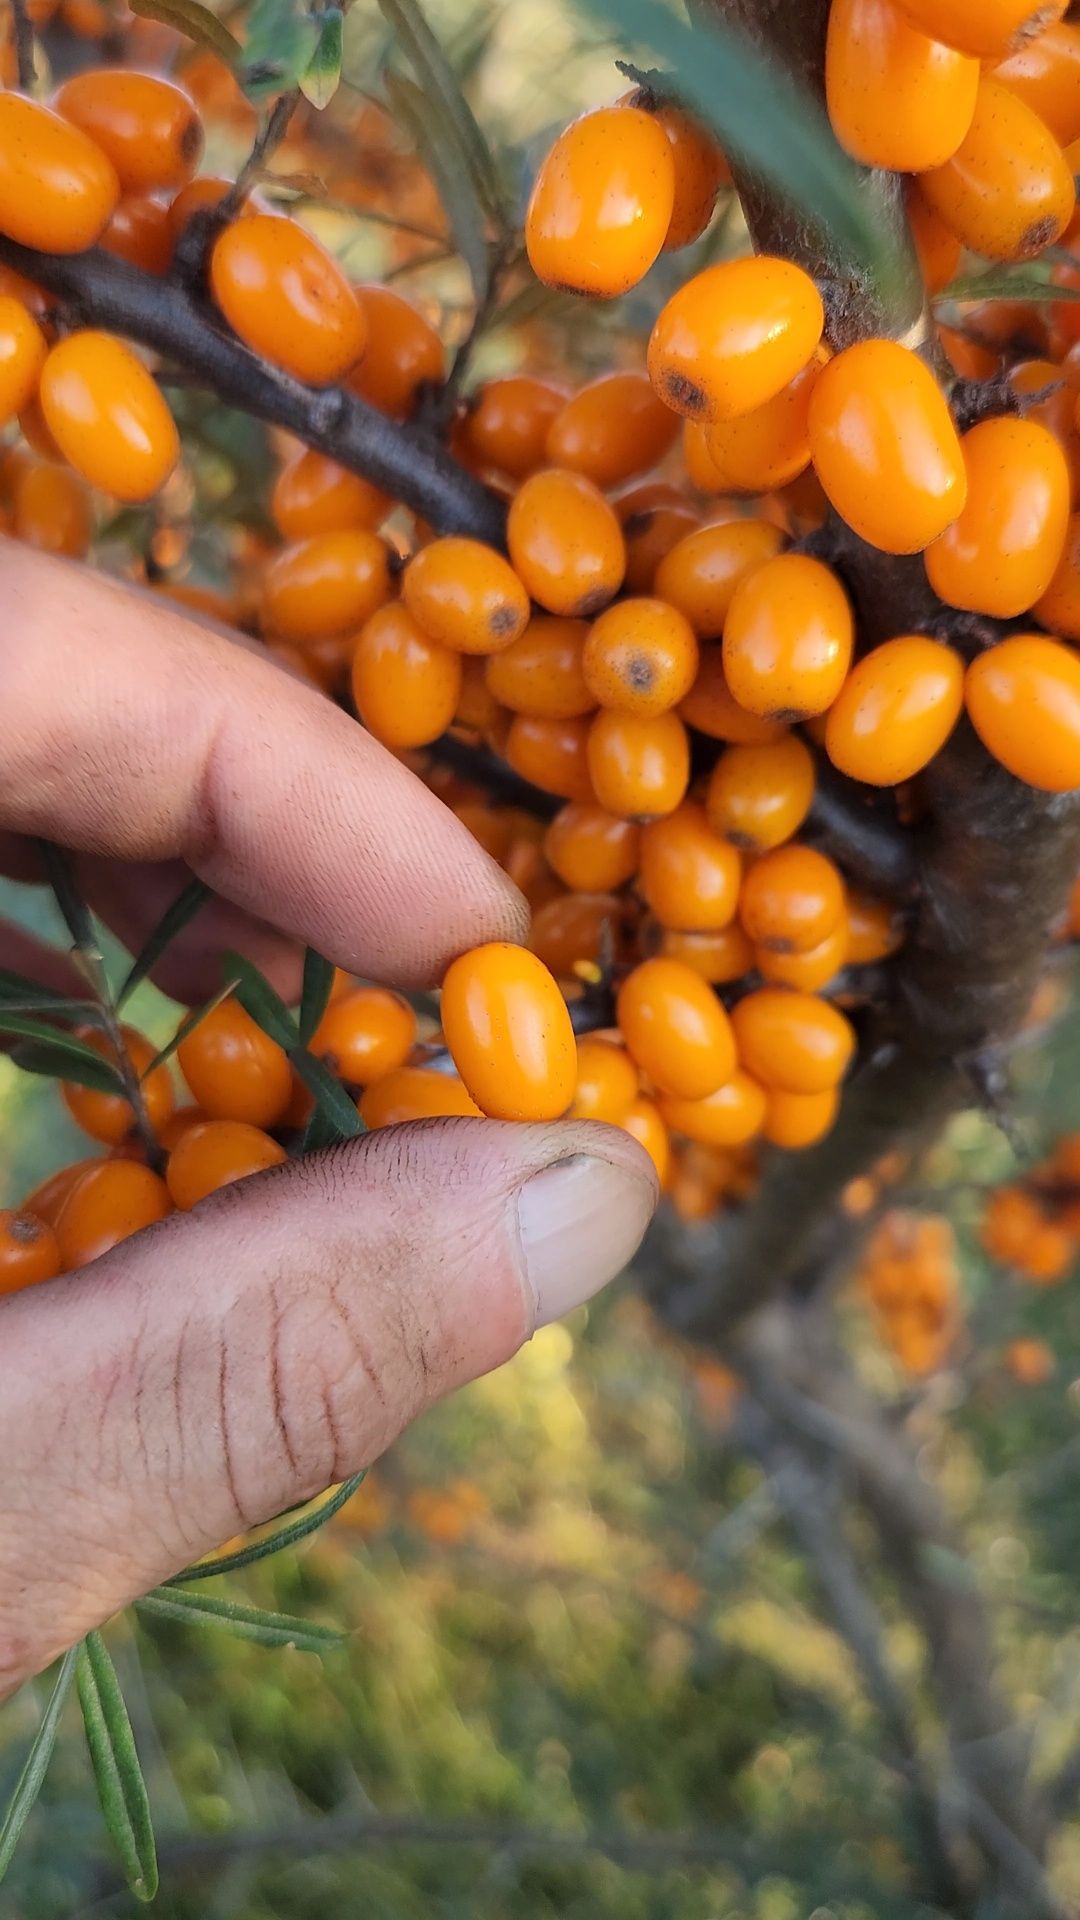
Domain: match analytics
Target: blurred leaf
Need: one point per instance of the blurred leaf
(120, 1784)
(757, 111)
(172, 923)
(315, 993)
(1023, 282)
(251, 1623)
(335, 1105)
(321, 78)
(59, 1055)
(448, 104)
(61, 878)
(258, 998)
(188, 1025)
(30, 1779)
(19, 994)
(278, 47)
(309, 1523)
(436, 150)
(196, 23)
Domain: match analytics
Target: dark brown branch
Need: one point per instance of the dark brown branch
(874, 850)
(407, 464)
(484, 769)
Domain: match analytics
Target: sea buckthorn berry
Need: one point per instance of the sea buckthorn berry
(688, 877)
(721, 956)
(541, 673)
(234, 1070)
(936, 245)
(675, 1029)
(602, 203)
(792, 1041)
(791, 900)
(607, 1081)
(1031, 1362)
(644, 1122)
(896, 710)
(885, 448)
(215, 1153)
(364, 1035)
(758, 797)
(712, 708)
(730, 1117)
(1059, 607)
(22, 356)
(592, 851)
(566, 544)
(771, 445)
(553, 754)
(139, 233)
(49, 1195)
(650, 534)
(416, 1093)
(147, 126)
(875, 928)
(1023, 699)
(611, 430)
(788, 638)
(896, 98)
(1046, 398)
(701, 469)
(799, 1120)
(403, 353)
(506, 424)
(639, 768)
(287, 299)
(52, 511)
(576, 927)
(29, 1252)
(108, 1116)
(330, 583)
(990, 28)
(465, 595)
(477, 708)
(110, 1203)
(1001, 553)
(108, 417)
(1007, 191)
(312, 494)
(733, 336)
(1045, 73)
(202, 196)
(809, 971)
(641, 657)
(508, 1030)
(700, 574)
(58, 190)
(170, 1135)
(405, 685)
(700, 171)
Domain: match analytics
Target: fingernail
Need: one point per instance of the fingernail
(580, 1222)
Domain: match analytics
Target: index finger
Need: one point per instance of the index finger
(131, 731)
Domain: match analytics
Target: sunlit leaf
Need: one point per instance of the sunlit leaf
(278, 46)
(120, 1784)
(172, 923)
(322, 76)
(251, 1623)
(196, 23)
(28, 1785)
(309, 1522)
(442, 88)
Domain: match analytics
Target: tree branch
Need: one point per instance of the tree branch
(873, 849)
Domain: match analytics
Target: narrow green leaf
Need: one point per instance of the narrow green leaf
(258, 998)
(321, 78)
(188, 1025)
(61, 878)
(250, 1623)
(333, 1102)
(309, 1522)
(58, 1055)
(172, 923)
(278, 47)
(120, 1784)
(29, 1783)
(437, 150)
(441, 85)
(320, 1132)
(18, 988)
(1002, 283)
(196, 23)
(315, 993)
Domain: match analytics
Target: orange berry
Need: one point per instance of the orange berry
(508, 1030)
(788, 638)
(477, 708)
(808, 971)
(287, 298)
(675, 1029)
(1046, 398)
(700, 171)
(365, 1034)
(234, 1069)
(885, 448)
(466, 596)
(771, 445)
(990, 28)
(403, 353)
(799, 1120)
(643, 1121)
(792, 1041)
(896, 99)
(1007, 191)
(1001, 553)
(700, 574)
(641, 657)
(405, 685)
(108, 416)
(147, 126)
(111, 1202)
(711, 707)
(49, 1195)
(200, 196)
(875, 928)
(1059, 607)
(566, 544)
(22, 356)
(553, 754)
(689, 878)
(214, 1154)
(415, 1093)
(1045, 73)
(108, 1116)
(1030, 1362)
(936, 245)
(729, 1117)
(1048, 1256)
(178, 1123)
(650, 535)
(1011, 1220)
(330, 583)
(53, 511)
(607, 1081)
(592, 851)
(312, 494)
(720, 956)
(29, 1252)
(577, 927)
(733, 336)
(896, 709)
(58, 189)
(139, 233)
(791, 900)
(639, 767)
(759, 796)
(602, 202)
(611, 429)
(506, 424)
(1023, 699)
(541, 673)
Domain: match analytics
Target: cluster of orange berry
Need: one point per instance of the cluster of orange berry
(910, 1275)
(1033, 1228)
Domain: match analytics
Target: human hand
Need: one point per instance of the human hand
(235, 1360)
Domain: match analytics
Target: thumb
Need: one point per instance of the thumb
(240, 1358)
